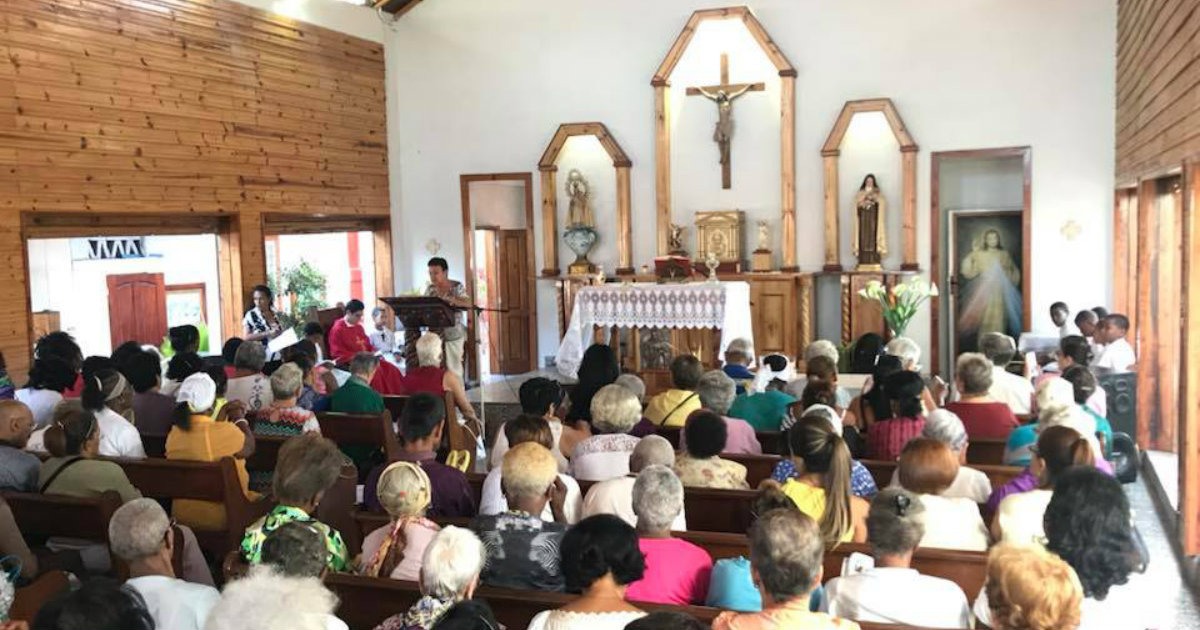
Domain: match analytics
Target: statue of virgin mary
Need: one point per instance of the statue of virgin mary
(869, 225)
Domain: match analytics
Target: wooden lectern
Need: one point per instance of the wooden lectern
(421, 312)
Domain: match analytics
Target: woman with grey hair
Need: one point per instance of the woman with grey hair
(248, 384)
(677, 571)
(891, 591)
(786, 550)
(982, 415)
(284, 417)
(717, 393)
(450, 573)
(615, 410)
(615, 496)
(945, 427)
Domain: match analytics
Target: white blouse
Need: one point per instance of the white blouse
(1019, 517)
(953, 524)
(968, 484)
(602, 457)
(118, 437)
(563, 620)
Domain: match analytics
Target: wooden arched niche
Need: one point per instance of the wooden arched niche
(787, 124)
(549, 169)
(908, 152)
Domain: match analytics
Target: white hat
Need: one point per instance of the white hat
(198, 391)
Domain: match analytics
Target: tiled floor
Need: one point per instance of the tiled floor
(1165, 586)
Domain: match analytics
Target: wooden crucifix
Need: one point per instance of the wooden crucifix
(724, 95)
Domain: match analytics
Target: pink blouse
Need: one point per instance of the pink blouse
(677, 572)
(417, 536)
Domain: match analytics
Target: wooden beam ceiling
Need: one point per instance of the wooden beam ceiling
(397, 7)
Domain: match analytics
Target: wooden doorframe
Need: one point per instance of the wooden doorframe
(1189, 395)
(935, 232)
(468, 227)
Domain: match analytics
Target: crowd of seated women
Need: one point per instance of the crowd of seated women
(1062, 549)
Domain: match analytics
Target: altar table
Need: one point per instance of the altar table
(724, 306)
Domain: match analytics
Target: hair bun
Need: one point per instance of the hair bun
(902, 504)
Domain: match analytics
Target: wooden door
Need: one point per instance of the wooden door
(515, 298)
(774, 313)
(491, 298)
(137, 308)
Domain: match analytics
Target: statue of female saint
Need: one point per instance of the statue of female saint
(992, 299)
(870, 234)
(580, 213)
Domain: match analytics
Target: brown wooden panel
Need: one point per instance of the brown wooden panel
(181, 111)
(1189, 416)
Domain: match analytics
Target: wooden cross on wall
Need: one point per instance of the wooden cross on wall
(723, 95)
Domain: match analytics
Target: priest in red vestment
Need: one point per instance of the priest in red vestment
(347, 338)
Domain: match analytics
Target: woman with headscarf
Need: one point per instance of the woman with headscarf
(396, 549)
(108, 395)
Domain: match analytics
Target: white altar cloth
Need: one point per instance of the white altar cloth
(723, 305)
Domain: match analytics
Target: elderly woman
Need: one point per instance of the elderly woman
(672, 407)
(892, 591)
(677, 572)
(1030, 589)
(430, 377)
(523, 548)
(928, 468)
(199, 436)
(1056, 407)
(108, 395)
(1019, 516)
(396, 549)
(600, 559)
(945, 427)
(606, 455)
(284, 417)
(285, 591)
(786, 550)
(307, 467)
(700, 466)
(739, 356)
(635, 384)
(451, 567)
(530, 428)
(717, 392)
(615, 496)
(249, 385)
(982, 415)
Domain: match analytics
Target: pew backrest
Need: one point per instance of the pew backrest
(46, 515)
(348, 429)
(986, 451)
(30, 599)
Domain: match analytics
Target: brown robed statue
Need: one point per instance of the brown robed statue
(724, 95)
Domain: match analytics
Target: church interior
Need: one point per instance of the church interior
(271, 261)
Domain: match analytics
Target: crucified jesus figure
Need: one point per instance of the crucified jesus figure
(723, 131)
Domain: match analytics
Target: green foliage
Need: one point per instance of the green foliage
(303, 289)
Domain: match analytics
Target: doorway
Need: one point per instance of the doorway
(498, 241)
(979, 227)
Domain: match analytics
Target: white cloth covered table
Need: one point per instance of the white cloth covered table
(723, 305)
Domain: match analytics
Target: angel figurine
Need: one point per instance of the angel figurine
(675, 240)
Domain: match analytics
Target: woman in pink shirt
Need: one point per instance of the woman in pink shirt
(717, 392)
(677, 572)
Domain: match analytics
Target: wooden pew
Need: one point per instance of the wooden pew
(40, 516)
(988, 451)
(202, 481)
(345, 429)
(365, 602)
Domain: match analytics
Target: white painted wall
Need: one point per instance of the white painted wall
(499, 204)
(346, 17)
(477, 87)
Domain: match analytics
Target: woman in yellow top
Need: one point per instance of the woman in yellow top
(672, 407)
(196, 436)
(822, 487)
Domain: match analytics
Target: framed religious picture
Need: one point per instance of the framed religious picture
(986, 275)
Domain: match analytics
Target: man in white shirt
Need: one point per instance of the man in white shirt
(383, 338)
(1016, 391)
(1118, 354)
(140, 534)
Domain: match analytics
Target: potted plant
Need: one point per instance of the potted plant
(900, 304)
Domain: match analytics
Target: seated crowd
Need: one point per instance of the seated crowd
(585, 492)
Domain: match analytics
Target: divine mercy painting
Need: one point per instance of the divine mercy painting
(987, 247)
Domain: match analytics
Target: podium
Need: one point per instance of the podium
(421, 312)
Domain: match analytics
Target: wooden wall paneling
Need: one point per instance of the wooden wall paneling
(787, 133)
(1121, 292)
(1189, 417)
(549, 221)
(909, 218)
(174, 108)
(1170, 228)
(1147, 380)
(1158, 118)
(832, 229)
(624, 223)
(662, 165)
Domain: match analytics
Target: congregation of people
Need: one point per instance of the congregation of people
(584, 493)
